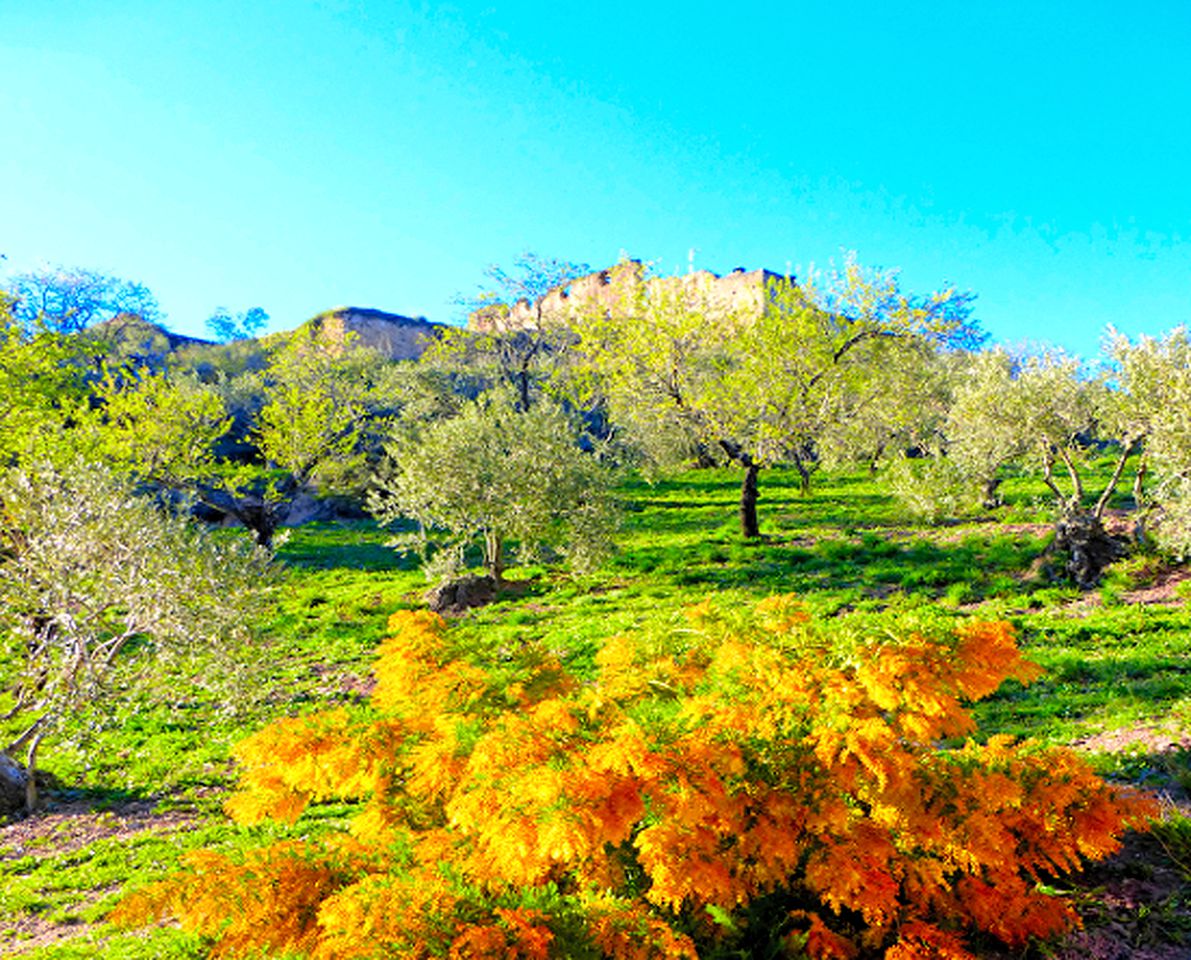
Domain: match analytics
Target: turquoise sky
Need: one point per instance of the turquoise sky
(298, 155)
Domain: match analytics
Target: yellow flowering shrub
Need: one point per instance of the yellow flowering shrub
(762, 791)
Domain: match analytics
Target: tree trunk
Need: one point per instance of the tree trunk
(262, 513)
(1089, 547)
(494, 557)
(1141, 533)
(31, 772)
(262, 516)
(749, 528)
(703, 458)
(875, 460)
(804, 475)
(988, 492)
(263, 522)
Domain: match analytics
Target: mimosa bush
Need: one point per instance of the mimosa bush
(757, 785)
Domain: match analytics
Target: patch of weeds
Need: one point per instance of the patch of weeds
(878, 545)
(158, 944)
(917, 577)
(839, 551)
(1177, 765)
(520, 617)
(887, 572)
(958, 594)
(1173, 834)
(838, 602)
(1001, 586)
(1131, 573)
(1049, 597)
(358, 545)
(1112, 594)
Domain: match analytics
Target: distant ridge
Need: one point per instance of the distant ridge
(141, 342)
(130, 330)
(392, 335)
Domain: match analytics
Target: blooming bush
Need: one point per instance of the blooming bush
(765, 790)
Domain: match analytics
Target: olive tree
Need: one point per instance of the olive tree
(42, 385)
(303, 430)
(1151, 406)
(493, 474)
(771, 383)
(815, 373)
(95, 581)
(1042, 412)
(509, 340)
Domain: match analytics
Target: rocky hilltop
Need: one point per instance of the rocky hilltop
(611, 289)
(389, 334)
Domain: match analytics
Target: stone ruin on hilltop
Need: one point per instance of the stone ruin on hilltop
(608, 290)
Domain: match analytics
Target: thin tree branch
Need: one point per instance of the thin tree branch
(1102, 502)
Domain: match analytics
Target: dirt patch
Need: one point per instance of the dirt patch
(958, 532)
(28, 931)
(1164, 590)
(63, 828)
(1134, 906)
(66, 827)
(1156, 738)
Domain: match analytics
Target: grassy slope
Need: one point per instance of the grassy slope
(842, 548)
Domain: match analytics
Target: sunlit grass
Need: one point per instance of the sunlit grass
(844, 549)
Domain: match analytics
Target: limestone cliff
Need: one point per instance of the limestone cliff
(390, 334)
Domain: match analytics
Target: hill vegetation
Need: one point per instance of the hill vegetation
(775, 720)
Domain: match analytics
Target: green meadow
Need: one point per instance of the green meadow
(142, 782)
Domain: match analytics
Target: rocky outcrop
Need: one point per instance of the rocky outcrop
(389, 334)
(14, 786)
(392, 335)
(457, 596)
(613, 289)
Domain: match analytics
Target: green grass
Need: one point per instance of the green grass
(843, 548)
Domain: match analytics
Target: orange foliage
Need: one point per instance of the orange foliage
(757, 771)
(268, 901)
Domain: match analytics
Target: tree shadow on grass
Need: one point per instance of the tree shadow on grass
(865, 565)
(357, 546)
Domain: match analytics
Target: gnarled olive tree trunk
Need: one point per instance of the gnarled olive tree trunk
(1079, 530)
(1089, 548)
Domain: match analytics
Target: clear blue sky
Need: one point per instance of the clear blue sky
(300, 155)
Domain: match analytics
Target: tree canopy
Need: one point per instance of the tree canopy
(305, 426)
(768, 383)
(70, 299)
(492, 474)
(88, 571)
